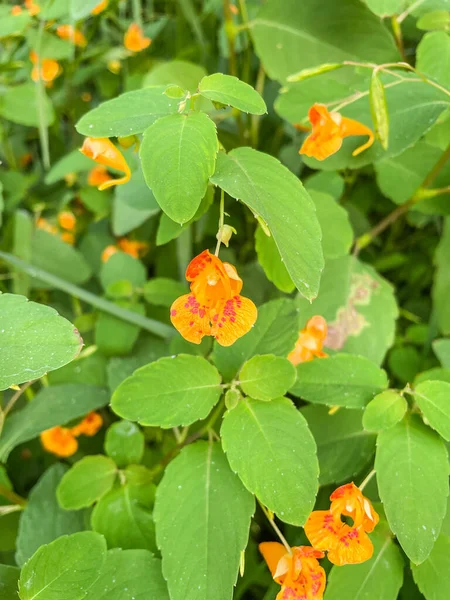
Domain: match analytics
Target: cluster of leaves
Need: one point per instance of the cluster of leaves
(161, 503)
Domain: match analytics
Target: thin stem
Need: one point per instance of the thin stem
(367, 479)
(275, 527)
(12, 496)
(159, 329)
(397, 31)
(40, 99)
(437, 168)
(255, 119)
(15, 397)
(409, 10)
(137, 12)
(221, 222)
(231, 36)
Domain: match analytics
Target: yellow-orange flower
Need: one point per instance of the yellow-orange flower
(134, 39)
(345, 544)
(214, 306)
(67, 220)
(46, 226)
(50, 68)
(133, 247)
(98, 175)
(32, 7)
(100, 7)
(68, 237)
(89, 425)
(16, 10)
(328, 132)
(299, 573)
(68, 32)
(108, 252)
(59, 441)
(310, 341)
(103, 151)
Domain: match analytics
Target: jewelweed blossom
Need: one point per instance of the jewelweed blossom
(68, 32)
(62, 441)
(100, 7)
(135, 40)
(310, 341)
(49, 69)
(103, 151)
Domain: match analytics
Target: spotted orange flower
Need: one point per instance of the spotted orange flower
(16, 10)
(310, 341)
(328, 132)
(89, 425)
(346, 544)
(103, 151)
(50, 68)
(67, 220)
(59, 441)
(134, 39)
(299, 573)
(68, 32)
(214, 306)
(32, 7)
(100, 7)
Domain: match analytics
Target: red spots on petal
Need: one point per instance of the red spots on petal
(173, 313)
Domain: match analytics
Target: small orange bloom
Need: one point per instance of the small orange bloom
(68, 32)
(67, 220)
(328, 132)
(100, 7)
(46, 226)
(98, 175)
(68, 237)
(300, 575)
(32, 7)
(59, 441)
(310, 341)
(16, 10)
(133, 247)
(50, 69)
(108, 252)
(89, 425)
(134, 39)
(214, 306)
(103, 151)
(345, 544)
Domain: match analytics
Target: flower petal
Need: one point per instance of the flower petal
(273, 552)
(235, 319)
(59, 441)
(353, 547)
(321, 146)
(352, 127)
(103, 151)
(322, 529)
(190, 318)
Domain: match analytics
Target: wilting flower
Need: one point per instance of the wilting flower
(49, 68)
(345, 544)
(32, 7)
(89, 425)
(59, 441)
(328, 132)
(103, 151)
(310, 341)
(100, 7)
(68, 32)
(134, 39)
(214, 306)
(300, 575)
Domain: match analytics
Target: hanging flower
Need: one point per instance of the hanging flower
(89, 425)
(68, 32)
(299, 573)
(50, 68)
(103, 151)
(59, 441)
(345, 544)
(98, 175)
(32, 7)
(328, 132)
(100, 7)
(214, 306)
(310, 341)
(134, 39)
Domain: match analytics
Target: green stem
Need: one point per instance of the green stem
(275, 527)
(155, 327)
(231, 36)
(255, 119)
(221, 222)
(40, 99)
(137, 12)
(367, 479)
(12, 496)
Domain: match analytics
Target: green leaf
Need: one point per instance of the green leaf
(433, 575)
(90, 369)
(267, 377)
(66, 568)
(79, 9)
(34, 339)
(114, 336)
(436, 19)
(441, 287)
(380, 577)
(169, 392)
(176, 72)
(43, 520)
(86, 482)
(379, 110)
(412, 475)
(19, 105)
(275, 332)
(257, 179)
(162, 291)
(442, 350)
(290, 37)
(51, 46)
(123, 516)
(9, 578)
(385, 8)
(122, 267)
(343, 447)
(178, 155)
(433, 399)
(200, 557)
(433, 56)
(52, 406)
(13, 24)
(359, 307)
(134, 203)
(436, 374)
(334, 222)
(231, 91)
(129, 575)
(384, 411)
(340, 380)
(124, 443)
(272, 450)
(128, 114)
(74, 162)
(270, 260)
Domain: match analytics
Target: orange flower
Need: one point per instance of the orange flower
(132, 247)
(32, 7)
(67, 32)
(300, 575)
(310, 341)
(16, 10)
(89, 425)
(134, 39)
(59, 441)
(103, 151)
(100, 7)
(214, 306)
(67, 220)
(46, 226)
(68, 237)
(98, 175)
(345, 544)
(328, 132)
(108, 252)
(50, 69)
